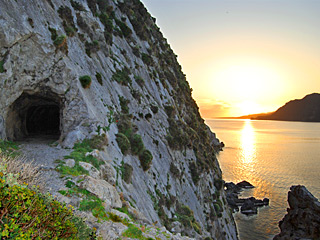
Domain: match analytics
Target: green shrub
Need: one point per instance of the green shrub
(85, 81)
(123, 143)
(124, 104)
(194, 172)
(122, 76)
(27, 214)
(60, 41)
(114, 218)
(174, 170)
(170, 110)
(91, 47)
(145, 159)
(218, 183)
(154, 109)
(8, 147)
(54, 33)
(137, 145)
(126, 31)
(133, 232)
(99, 78)
(1, 66)
(127, 173)
(139, 80)
(77, 6)
(106, 21)
(147, 59)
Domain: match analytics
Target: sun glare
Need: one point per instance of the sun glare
(248, 107)
(246, 79)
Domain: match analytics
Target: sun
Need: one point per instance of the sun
(248, 107)
(247, 81)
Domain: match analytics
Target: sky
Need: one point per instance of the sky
(243, 56)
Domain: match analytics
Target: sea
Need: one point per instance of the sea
(272, 156)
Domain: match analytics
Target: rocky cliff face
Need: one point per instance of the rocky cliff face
(303, 218)
(305, 110)
(80, 68)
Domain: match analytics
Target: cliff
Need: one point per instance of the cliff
(304, 110)
(101, 70)
(303, 218)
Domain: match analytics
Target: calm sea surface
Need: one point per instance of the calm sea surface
(271, 155)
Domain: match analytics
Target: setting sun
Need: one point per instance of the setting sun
(247, 107)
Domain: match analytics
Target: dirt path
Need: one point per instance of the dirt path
(44, 154)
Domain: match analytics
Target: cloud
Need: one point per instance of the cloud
(213, 108)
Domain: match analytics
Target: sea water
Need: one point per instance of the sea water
(271, 155)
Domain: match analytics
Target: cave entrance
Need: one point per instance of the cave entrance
(34, 116)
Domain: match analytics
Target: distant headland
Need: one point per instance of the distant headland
(306, 109)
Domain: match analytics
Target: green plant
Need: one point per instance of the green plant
(136, 143)
(218, 183)
(154, 109)
(28, 214)
(146, 58)
(9, 148)
(77, 170)
(139, 80)
(194, 172)
(122, 76)
(114, 218)
(123, 143)
(85, 81)
(126, 31)
(77, 6)
(127, 173)
(145, 159)
(60, 41)
(1, 66)
(133, 232)
(91, 47)
(99, 78)
(54, 33)
(124, 104)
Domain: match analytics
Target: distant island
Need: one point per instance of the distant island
(306, 109)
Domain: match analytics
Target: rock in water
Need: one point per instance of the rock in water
(245, 184)
(303, 218)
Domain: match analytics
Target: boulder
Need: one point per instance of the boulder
(303, 218)
(70, 163)
(104, 190)
(245, 184)
(249, 207)
(93, 172)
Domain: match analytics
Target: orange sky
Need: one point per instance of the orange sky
(243, 57)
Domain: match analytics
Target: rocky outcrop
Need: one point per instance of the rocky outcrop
(79, 69)
(305, 110)
(303, 218)
(249, 205)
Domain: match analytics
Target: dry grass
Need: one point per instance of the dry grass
(27, 171)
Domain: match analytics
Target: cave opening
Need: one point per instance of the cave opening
(34, 116)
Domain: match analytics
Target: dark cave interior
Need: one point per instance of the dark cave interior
(34, 115)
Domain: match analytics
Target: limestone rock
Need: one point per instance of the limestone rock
(108, 173)
(133, 72)
(93, 172)
(303, 218)
(70, 163)
(102, 189)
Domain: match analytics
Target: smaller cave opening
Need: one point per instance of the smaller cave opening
(34, 116)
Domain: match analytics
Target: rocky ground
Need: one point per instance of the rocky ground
(45, 153)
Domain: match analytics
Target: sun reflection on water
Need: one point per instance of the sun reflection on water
(246, 164)
(247, 143)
